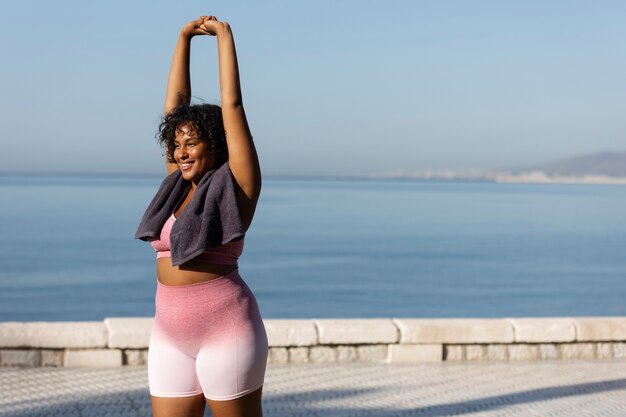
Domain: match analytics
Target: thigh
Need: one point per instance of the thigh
(232, 359)
(171, 372)
(250, 405)
(178, 407)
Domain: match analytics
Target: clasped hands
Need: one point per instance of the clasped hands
(204, 25)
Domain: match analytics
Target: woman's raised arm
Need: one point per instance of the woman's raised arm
(242, 155)
(179, 81)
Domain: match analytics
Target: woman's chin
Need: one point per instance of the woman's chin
(188, 176)
(192, 175)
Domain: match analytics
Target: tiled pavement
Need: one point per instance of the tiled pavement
(549, 388)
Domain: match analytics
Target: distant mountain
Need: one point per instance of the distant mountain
(598, 168)
(611, 164)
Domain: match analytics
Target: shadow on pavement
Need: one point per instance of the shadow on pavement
(322, 403)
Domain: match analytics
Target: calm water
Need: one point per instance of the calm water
(328, 248)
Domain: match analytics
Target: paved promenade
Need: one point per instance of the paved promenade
(550, 388)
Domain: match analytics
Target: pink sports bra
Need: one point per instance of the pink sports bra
(227, 254)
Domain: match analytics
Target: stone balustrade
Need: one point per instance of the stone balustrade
(124, 341)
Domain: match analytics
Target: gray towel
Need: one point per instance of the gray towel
(211, 218)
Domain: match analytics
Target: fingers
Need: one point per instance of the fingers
(203, 25)
(200, 31)
(210, 19)
(208, 24)
(201, 19)
(199, 28)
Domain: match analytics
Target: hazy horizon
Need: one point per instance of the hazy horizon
(331, 89)
(459, 173)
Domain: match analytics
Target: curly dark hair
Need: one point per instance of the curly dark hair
(204, 120)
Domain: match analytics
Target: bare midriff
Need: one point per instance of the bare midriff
(191, 272)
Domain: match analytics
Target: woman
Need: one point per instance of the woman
(208, 343)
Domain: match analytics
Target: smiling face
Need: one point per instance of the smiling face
(192, 154)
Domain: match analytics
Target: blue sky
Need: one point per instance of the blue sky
(330, 87)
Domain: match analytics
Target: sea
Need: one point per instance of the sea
(327, 248)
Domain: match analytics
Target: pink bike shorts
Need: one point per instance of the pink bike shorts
(207, 338)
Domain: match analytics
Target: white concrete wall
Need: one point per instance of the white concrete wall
(124, 341)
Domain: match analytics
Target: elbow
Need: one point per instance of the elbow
(252, 189)
(232, 102)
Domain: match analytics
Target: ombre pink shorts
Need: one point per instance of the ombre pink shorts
(207, 338)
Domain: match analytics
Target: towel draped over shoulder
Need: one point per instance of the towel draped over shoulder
(209, 220)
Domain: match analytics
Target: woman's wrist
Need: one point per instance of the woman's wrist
(185, 36)
(224, 30)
